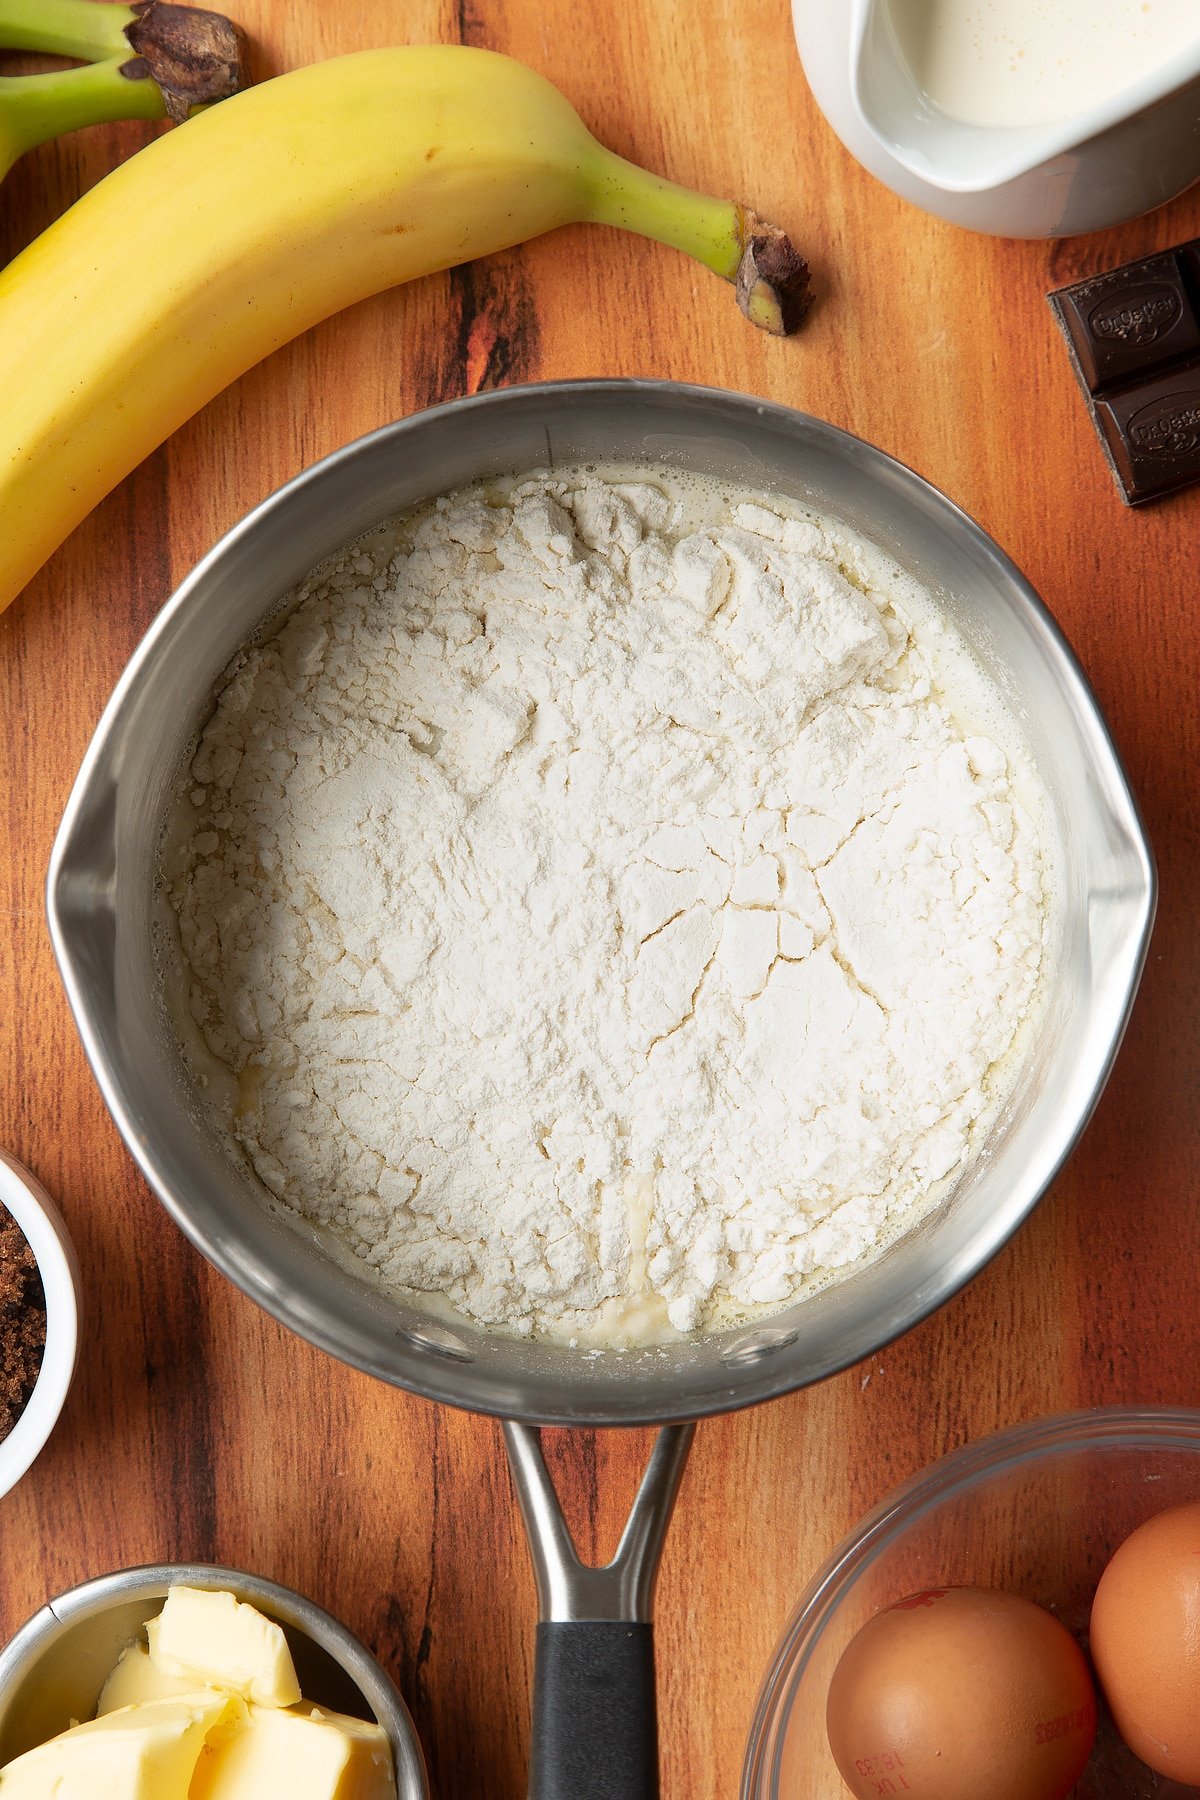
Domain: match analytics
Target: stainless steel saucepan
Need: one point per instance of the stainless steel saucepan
(594, 1730)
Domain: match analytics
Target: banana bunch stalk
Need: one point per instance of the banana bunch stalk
(214, 245)
(146, 61)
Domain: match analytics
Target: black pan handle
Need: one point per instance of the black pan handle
(595, 1721)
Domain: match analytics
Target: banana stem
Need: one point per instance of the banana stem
(91, 30)
(635, 200)
(149, 61)
(37, 107)
(770, 275)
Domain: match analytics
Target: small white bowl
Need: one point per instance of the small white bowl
(46, 1235)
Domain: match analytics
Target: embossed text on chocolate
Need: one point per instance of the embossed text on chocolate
(1168, 427)
(1137, 320)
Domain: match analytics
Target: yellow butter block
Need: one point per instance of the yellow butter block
(306, 1754)
(147, 1752)
(215, 1640)
(135, 1680)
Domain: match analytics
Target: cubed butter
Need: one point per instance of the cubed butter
(305, 1754)
(135, 1680)
(214, 1640)
(145, 1752)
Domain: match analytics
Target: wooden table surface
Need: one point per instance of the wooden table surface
(197, 1428)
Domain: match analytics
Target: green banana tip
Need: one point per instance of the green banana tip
(773, 281)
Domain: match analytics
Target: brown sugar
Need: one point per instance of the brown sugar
(22, 1322)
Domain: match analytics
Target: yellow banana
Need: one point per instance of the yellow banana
(218, 243)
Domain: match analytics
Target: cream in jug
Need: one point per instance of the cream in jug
(1032, 62)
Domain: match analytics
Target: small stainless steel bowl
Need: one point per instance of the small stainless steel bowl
(52, 1671)
(102, 898)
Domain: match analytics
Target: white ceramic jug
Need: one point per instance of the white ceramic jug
(1108, 162)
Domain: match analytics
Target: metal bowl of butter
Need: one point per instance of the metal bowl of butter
(53, 1671)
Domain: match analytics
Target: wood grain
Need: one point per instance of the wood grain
(196, 1427)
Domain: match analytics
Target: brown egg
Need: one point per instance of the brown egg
(1146, 1642)
(962, 1694)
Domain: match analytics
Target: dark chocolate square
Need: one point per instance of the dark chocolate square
(1152, 430)
(1134, 318)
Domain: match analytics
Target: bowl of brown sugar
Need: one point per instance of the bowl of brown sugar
(39, 1319)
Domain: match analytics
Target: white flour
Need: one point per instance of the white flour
(603, 913)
